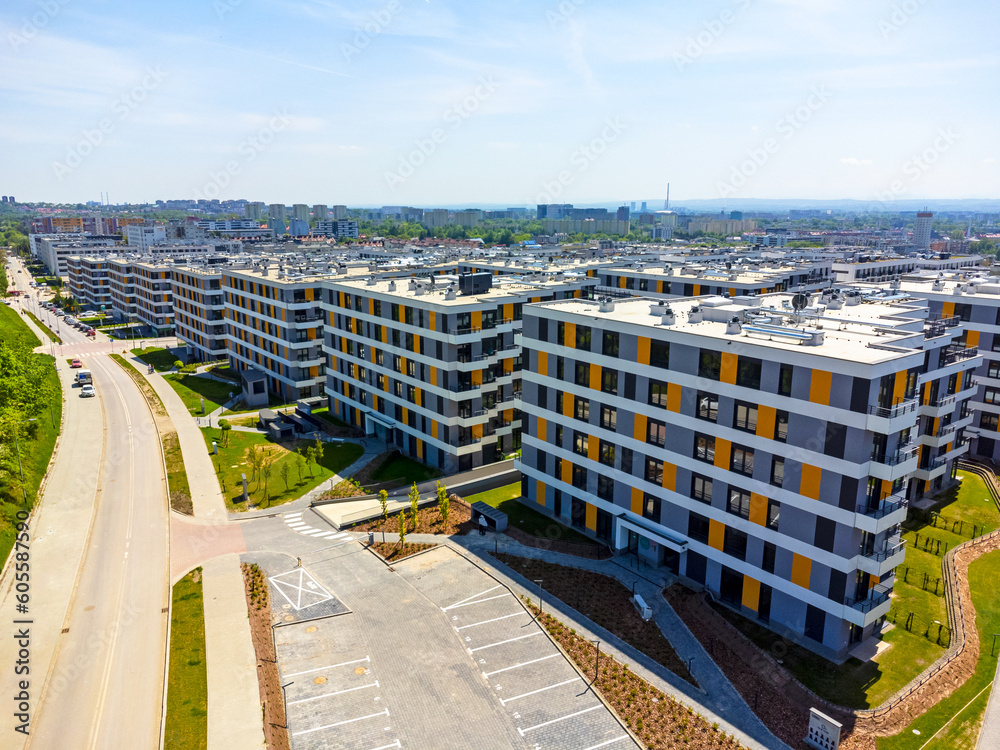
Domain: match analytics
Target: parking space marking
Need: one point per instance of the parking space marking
(509, 640)
(330, 666)
(336, 692)
(300, 584)
(386, 747)
(516, 614)
(341, 723)
(522, 664)
(293, 515)
(561, 718)
(609, 742)
(505, 701)
(481, 601)
(470, 598)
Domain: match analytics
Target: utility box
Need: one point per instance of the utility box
(475, 283)
(645, 611)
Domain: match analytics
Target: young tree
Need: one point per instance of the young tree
(444, 504)
(266, 467)
(300, 461)
(252, 458)
(310, 456)
(414, 503)
(285, 473)
(318, 450)
(383, 500)
(402, 526)
(226, 428)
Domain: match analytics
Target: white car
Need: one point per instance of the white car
(87, 390)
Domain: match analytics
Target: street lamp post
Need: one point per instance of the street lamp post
(539, 582)
(597, 664)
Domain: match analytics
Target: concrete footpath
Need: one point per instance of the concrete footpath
(234, 716)
(989, 734)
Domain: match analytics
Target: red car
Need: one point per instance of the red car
(76, 363)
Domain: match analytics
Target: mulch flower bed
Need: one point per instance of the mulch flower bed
(656, 719)
(605, 601)
(258, 605)
(428, 521)
(392, 551)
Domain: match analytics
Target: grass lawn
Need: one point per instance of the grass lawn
(963, 708)
(13, 329)
(186, 726)
(191, 389)
(283, 485)
(161, 359)
(859, 684)
(524, 518)
(333, 419)
(45, 329)
(404, 470)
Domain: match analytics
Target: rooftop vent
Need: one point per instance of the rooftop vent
(392, 286)
(606, 305)
(733, 326)
(668, 318)
(696, 315)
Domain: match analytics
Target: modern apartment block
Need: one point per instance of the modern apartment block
(154, 296)
(765, 455)
(53, 250)
(123, 297)
(90, 281)
(276, 326)
(433, 365)
(337, 228)
(200, 311)
(141, 237)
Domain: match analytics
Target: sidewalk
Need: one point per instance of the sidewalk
(205, 493)
(717, 700)
(234, 718)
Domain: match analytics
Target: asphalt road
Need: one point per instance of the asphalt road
(104, 684)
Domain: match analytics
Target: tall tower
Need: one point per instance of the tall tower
(922, 230)
(666, 202)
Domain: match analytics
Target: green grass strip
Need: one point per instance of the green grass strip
(186, 726)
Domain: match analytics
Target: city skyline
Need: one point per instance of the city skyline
(420, 104)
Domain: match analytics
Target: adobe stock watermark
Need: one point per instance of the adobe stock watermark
(248, 149)
(918, 165)
(786, 126)
(901, 14)
(581, 159)
(455, 116)
(32, 25)
(563, 12)
(224, 7)
(377, 22)
(712, 29)
(123, 107)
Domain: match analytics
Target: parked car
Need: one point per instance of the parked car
(76, 363)
(87, 390)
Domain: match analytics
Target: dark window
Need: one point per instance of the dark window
(815, 621)
(708, 406)
(745, 417)
(581, 408)
(629, 386)
(609, 344)
(773, 513)
(560, 333)
(748, 372)
(543, 329)
(704, 448)
(609, 381)
(540, 460)
(609, 417)
(657, 393)
(659, 354)
(698, 529)
(543, 397)
(735, 543)
(701, 488)
(605, 488)
(579, 477)
(836, 439)
(651, 507)
(767, 563)
(777, 471)
(583, 337)
(742, 460)
(560, 368)
(785, 380)
(654, 471)
(582, 375)
(709, 364)
(695, 568)
(739, 502)
(656, 433)
(626, 454)
(578, 512)
(606, 453)
(781, 426)
(826, 528)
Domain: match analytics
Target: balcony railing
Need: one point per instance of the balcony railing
(883, 507)
(885, 553)
(902, 455)
(469, 441)
(463, 331)
(896, 410)
(877, 595)
(952, 354)
(943, 401)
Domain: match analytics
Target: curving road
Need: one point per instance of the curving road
(106, 617)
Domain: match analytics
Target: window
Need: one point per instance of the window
(651, 507)
(777, 471)
(609, 381)
(704, 448)
(626, 465)
(773, 512)
(739, 502)
(992, 395)
(606, 488)
(659, 354)
(785, 380)
(629, 386)
(561, 333)
(559, 401)
(735, 543)
(583, 337)
(654, 471)
(559, 435)
(781, 426)
(606, 453)
(581, 408)
(989, 421)
(543, 329)
(582, 375)
(579, 477)
(609, 417)
(767, 562)
(709, 364)
(698, 528)
(656, 433)
(701, 488)
(746, 417)
(748, 373)
(580, 443)
(708, 406)
(993, 371)
(560, 368)
(742, 461)
(657, 393)
(609, 344)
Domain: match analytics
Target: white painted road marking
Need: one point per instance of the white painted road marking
(609, 742)
(386, 747)
(516, 614)
(300, 583)
(509, 640)
(469, 604)
(340, 723)
(337, 692)
(562, 718)
(522, 664)
(330, 666)
(470, 598)
(505, 701)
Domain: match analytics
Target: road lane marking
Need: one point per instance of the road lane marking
(484, 622)
(505, 701)
(341, 723)
(522, 664)
(336, 692)
(330, 666)
(386, 747)
(469, 604)
(561, 718)
(509, 640)
(469, 598)
(609, 742)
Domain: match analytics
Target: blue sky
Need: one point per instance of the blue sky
(424, 102)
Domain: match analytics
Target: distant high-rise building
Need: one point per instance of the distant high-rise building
(553, 210)
(922, 230)
(300, 211)
(319, 212)
(736, 215)
(643, 209)
(298, 227)
(255, 210)
(633, 205)
(623, 213)
(339, 212)
(276, 211)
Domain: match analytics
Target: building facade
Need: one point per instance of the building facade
(200, 311)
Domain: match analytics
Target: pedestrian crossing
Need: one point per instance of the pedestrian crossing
(294, 522)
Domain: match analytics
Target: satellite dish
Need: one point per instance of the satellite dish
(800, 301)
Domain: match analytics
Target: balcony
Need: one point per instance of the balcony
(904, 453)
(877, 595)
(889, 419)
(954, 353)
